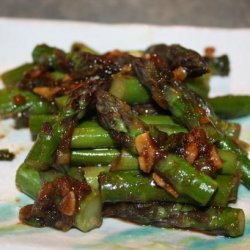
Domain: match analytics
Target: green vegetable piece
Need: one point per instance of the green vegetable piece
(129, 89)
(186, 179)
(90, 215)
(227, 221)
(231, 106)
(12, 77)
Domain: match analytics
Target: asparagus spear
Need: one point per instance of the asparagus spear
(91, 137)
(50, 57)
(213, 220)
(30, 181)
(231, 106)
(93, 157)
(81, 47)
(130, 132)
(199, 85)
(177, 56)
(230, 129)
(89, 173)
(117, 117)
(124, 161)
(133, 186)
(127, 88)
(185, 178)
(119, 160)
(218, 65)
(126, 82)
(12, 77)
(229, 159)
(17, 101)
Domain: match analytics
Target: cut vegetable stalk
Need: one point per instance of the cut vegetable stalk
(216, 221)
(185, 179)
(133, 186)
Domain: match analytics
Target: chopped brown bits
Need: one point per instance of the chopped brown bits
(62, 155)
(6, 155)
(19, 100)
(214, 157)
(180, 74)
(192, 152)
(147, 151)
(47, 129)
(209, 51)
(196, 149)
(204, 120)
(67, 205)
(161, 183)
(47, 92)
(57, 204)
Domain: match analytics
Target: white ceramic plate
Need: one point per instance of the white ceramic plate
(18, 37)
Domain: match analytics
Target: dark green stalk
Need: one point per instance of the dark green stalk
(30, 181)
(81, 47)
(93, 157)
(117, 117)
(177, 56)
(91, 137)
(219, 65)
(119, 160)
(15, 101)
(185, 179)
(243, 163)
(41, 155)
(227, 190)
(230, 129)
(133, 186)
(231, 106)
(50, 57)
(213, 220)
(129, 89)
(125, 161)
(11, 77)
(229, 160)
(90, 174)
(200, 85)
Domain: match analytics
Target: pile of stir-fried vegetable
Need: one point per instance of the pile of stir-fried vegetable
(128, 135)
